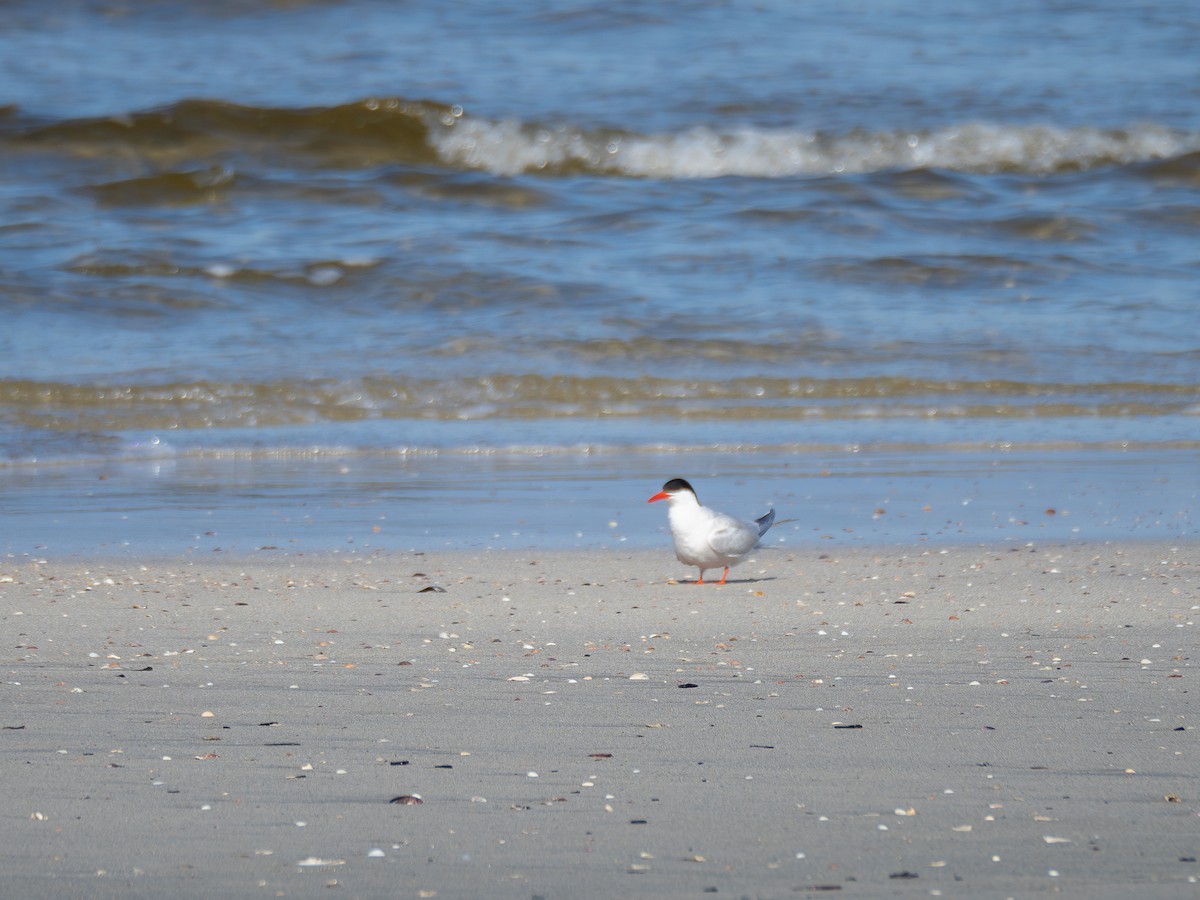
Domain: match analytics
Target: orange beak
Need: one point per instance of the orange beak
(661, 495)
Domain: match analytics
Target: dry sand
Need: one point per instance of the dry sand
(960, 722)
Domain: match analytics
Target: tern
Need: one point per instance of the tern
(705, 538)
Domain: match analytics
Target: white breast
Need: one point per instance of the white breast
(706, 538)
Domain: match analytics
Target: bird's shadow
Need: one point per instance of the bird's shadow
(728, 581)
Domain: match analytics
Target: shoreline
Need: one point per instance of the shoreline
(581, 502)
(871, 721)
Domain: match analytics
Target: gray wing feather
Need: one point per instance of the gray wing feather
(733, 537)
(765, 522)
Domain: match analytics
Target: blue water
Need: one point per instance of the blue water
(248, 254)
(596, 502)
(833, 66)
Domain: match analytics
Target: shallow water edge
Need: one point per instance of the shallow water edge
(362, 502)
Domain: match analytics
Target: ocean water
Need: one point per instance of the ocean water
(370, 274)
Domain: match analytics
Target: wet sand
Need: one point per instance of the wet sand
(931, 721)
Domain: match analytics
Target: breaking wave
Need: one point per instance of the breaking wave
(420, 132)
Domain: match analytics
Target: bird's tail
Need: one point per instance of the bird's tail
(765, 522)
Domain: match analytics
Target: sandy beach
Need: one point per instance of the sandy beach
(1003, 721)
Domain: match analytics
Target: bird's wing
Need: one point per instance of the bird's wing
(765, 522)
(732, 537)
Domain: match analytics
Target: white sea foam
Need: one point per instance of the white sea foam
(510, 147)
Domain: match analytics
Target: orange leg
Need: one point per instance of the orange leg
(724, 575)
